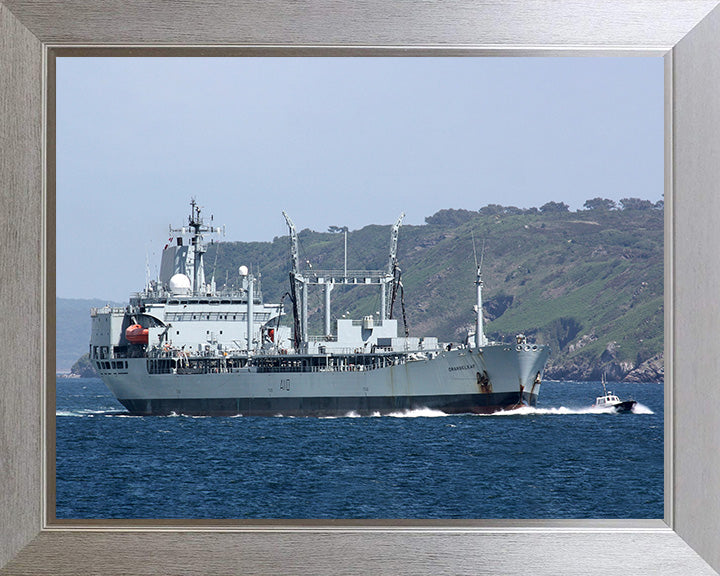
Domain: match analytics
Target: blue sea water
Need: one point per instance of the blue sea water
(558, 460)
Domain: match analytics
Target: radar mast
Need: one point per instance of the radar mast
(196, 227)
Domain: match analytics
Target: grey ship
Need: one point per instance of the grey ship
(183, 346)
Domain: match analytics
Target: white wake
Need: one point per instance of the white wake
(418, 413)
(562, 411)
(85, 412)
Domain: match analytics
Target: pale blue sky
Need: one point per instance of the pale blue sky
(333, 141)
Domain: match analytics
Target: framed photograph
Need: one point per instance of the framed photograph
(496, 149)
(687, 38)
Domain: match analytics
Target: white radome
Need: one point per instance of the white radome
(243, 270)
(179, 284)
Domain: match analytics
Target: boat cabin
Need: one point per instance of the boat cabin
(607, 399)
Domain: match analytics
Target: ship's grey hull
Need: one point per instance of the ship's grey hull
(452, 382)
(329, 406)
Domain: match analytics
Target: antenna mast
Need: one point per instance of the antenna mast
(147, 271)
(480, 339)
(196, 227)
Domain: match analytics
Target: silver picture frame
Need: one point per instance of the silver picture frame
(685, 32)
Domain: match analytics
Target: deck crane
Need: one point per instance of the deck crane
(296, 279)
(393, 273)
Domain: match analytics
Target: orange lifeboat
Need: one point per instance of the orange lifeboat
(136, 334)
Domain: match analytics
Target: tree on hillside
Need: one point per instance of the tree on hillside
(336, 229)
(492, 210)
(513, 210)
(600, 204)
(635, 204)
(450, 217)
(498, 209)
(554, 207)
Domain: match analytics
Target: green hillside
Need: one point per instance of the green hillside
(588, 283)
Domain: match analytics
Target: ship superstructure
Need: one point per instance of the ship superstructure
(183, 346)
(181, 313)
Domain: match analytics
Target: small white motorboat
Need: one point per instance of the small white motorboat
(609, 400)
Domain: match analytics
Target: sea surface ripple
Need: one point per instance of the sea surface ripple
(560, 459)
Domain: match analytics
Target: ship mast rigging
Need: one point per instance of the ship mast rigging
(196, 227)
(388, 279)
